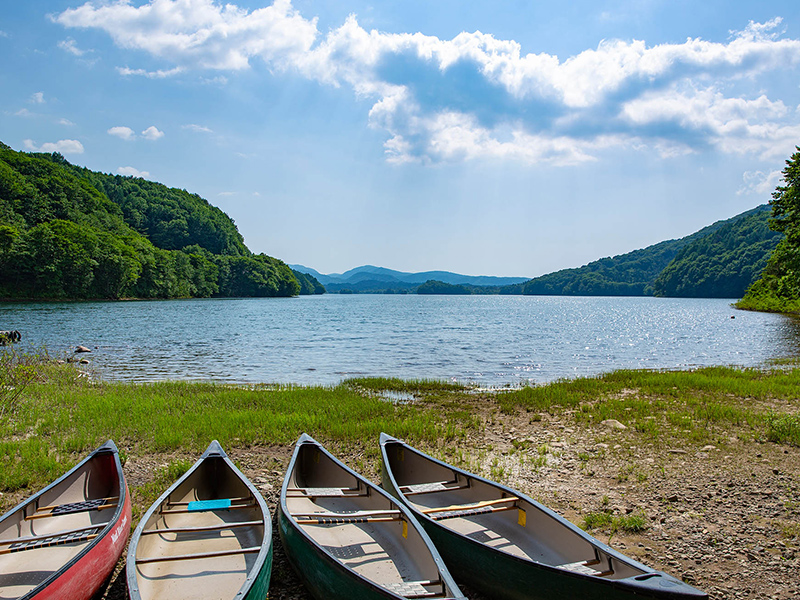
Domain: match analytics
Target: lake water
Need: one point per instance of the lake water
(485, 340)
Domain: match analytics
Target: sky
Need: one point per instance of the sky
(509, 138)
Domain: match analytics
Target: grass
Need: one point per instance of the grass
(606, 521)
(687, 406)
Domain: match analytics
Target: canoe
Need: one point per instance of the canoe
(506, 545)
(65, 541)
(348, 539)
(208, 536)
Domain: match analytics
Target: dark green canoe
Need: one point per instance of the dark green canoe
(510, 547)
(349, 540)
(208, 536)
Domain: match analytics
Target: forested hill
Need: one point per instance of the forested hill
(716, 261)
(724, 263)
(67, 232)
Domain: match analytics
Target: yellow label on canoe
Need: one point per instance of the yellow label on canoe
(400, 456)
(405, 529)
(521, 517)
(316, 456)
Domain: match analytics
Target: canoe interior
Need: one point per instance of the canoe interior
(84, 502)
(238, 531)
(514, 526)
(387, 550)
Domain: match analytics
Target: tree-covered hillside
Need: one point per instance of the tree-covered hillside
(67, 232)
(778, 290)
(724, 263)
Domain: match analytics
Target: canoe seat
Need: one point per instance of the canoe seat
(432, 487)
(69, 537)
(585, 568)
(416, 589)
(72, 507)
(208, 505)
(327, 492)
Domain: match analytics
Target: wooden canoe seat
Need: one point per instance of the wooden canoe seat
(199, 555)
(417, 589)
(43, 512)
(585, 568)
(220, 527)
(361, 513)
(344, 520)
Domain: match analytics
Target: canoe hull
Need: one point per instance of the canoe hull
(324, 578)
(84, 574)
(85, 578)
(504, 576)
(195, 556)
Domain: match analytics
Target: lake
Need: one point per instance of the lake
(484, 340)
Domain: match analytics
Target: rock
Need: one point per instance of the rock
(677, 451)
(83, 361)
(708, 448)
(613, 424)
(82, 349)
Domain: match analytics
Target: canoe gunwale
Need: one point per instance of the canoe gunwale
(214, 451)
(624, 584)
(287, 519)
(108, 448)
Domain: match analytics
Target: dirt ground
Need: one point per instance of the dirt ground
(725, 518)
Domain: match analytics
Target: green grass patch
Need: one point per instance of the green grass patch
(604, 520)
(784, 429)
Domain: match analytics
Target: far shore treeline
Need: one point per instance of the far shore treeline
(70, 233)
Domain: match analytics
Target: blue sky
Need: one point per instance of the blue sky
(503, 138)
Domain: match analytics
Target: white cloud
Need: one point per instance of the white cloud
(61, 146)
(152, 133)
(476, 96)
(66, 122)
(37, 98)
(71, 46)
(124, 133)
(3, 34)
(160, 74)
(196, 128)
(132, 172)
(760, 183)
(23, 112)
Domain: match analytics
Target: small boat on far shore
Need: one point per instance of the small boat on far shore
(349, 540)
(65, 541)
(508, 546)
(209, 536)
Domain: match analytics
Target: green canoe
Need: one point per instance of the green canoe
(349, 540)
(209, 536)
(506, 545)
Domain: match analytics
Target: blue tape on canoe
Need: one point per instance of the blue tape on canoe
(200, 505)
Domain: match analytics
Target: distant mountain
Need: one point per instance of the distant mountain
(369, 278)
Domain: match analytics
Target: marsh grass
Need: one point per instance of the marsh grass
(606, 521)
(692, 406)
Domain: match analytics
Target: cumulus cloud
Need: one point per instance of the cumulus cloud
(124, 133)
(152, 133)
(66, 122)
(478, 96)
(61, 146)
(759, 182)
(132, 172)
(37, 98)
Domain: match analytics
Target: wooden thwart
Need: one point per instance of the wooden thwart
(220, 527)
(460, 507)
(200, 555)
(334, 515)
(325, 492)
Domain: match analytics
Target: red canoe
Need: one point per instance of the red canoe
(64, 542)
